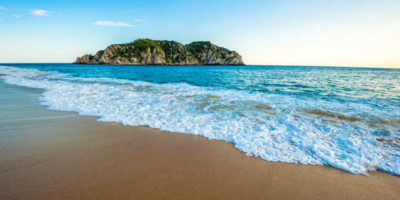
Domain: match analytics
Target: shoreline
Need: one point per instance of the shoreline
(61, 155)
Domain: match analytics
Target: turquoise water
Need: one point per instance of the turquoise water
(348, 118)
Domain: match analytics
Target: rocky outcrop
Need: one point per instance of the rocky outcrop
(210, 54)
(161, 52)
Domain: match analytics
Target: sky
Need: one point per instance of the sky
(362, 33)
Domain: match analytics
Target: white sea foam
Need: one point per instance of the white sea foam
(270, 126)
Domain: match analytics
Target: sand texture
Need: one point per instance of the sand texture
(60, 155)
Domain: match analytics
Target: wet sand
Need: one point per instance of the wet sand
(60, 155)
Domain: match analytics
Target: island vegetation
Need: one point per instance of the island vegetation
(163, 52)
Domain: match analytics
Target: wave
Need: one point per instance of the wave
(356, 136)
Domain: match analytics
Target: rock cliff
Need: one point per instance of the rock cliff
(161, 52)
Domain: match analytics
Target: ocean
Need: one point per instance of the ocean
(348, 118)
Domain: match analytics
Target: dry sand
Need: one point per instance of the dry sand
(59, 155)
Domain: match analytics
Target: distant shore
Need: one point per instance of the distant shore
(60, 155)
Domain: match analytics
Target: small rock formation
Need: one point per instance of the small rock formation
(162, 52)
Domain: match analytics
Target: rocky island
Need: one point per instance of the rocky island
(162, 52)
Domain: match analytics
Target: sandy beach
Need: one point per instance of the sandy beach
(48, 154)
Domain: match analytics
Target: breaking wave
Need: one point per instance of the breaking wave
(355, 136)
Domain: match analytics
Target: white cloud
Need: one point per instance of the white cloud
(2, 8)
(40, 12)
(17, 16)
(111, 23)
(139, 20)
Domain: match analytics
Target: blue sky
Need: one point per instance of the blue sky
(287, 32)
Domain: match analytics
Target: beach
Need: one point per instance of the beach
(60, 155)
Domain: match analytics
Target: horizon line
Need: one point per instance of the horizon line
(218, 65)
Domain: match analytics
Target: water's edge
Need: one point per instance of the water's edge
(271, 126)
